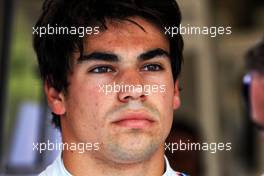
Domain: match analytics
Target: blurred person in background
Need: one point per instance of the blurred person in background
(255, 79)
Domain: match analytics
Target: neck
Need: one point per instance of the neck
(86, 164)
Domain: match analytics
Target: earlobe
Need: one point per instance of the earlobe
(176, 97)
(55, 99)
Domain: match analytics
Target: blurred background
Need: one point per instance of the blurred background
(212, 110)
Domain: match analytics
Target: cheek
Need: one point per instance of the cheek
(164, 98)
(168, 97)
(164, 102)
(84, 108)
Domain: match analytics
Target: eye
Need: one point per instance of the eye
(152, 67)
(102, 69)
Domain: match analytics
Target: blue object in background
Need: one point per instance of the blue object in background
(23, 158)
(25, 133)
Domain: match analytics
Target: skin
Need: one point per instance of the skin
(89, 116)
(257, 100)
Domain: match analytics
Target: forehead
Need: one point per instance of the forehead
(127, 36)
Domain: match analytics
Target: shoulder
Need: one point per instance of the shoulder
(51, 170)
(54, 169)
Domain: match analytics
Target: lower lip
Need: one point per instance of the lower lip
(134, 123)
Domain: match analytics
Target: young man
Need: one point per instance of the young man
(255, 64)
(125, 46)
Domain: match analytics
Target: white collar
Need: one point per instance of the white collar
(58, 168)
(169, 171)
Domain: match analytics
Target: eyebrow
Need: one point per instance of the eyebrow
(101, 56)
(111, 57)
(153, 53)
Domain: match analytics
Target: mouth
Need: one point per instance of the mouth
(134, 120)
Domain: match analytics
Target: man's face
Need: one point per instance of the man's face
(257, 99)
(130, 126)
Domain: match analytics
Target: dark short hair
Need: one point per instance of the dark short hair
(54, 51)
(255, 58)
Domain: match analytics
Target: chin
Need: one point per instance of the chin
(133, 149)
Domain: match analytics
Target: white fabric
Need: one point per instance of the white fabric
(57, 168)
(169, 171)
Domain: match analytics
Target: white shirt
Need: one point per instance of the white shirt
(57, 169)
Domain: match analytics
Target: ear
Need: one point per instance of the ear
(56, 100)
(176, 96)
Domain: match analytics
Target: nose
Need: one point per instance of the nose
(132, 87)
